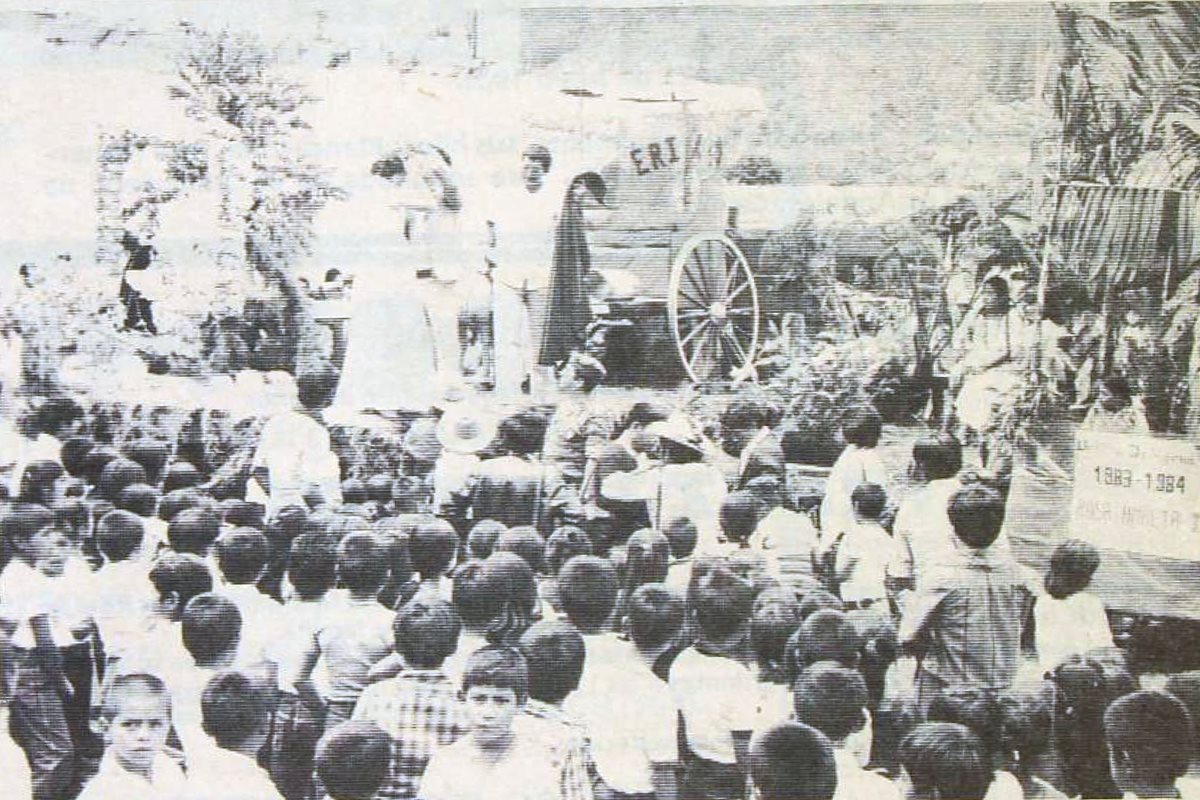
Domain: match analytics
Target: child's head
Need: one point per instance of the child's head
(819, 600)
(432, 547)
(38, 541)
(554, 652)
(152, 454)
(73, 453)
(482, 538)
(353, 760)
(771, 626)
(833, 699)
(236, 712)
(525, 541)
(862, 427)
(426, 632)
(242, 555)
(792, 761)
(316, 384)
(944, 760)
(721, 603)
(1186, 686)
(58, 416)
(825, 636)
(39, 482)
(495, 686)
(740, 515)
(138, 498)
(96, 460)
(478, 593)
(117, 474)
(180, 475)
(648, 557)
(564, 544)
(137, 718)
(212, 629)
(936, 458)
(682, 535)
(354, 491)
(119, 535)
(976, 514)
(1072, 566)
(522, 433)
(243, 514)
(362, 564)
(655, 617)
(1026, 720)
(974, 707)
(176, 580)
(587, 587)
(868, 500)
(193, 530)
(1150, 740)
(312, 565)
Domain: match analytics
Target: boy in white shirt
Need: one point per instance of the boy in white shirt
(862, 553)
(237, 718)
(121, 587)
(715, 692)
(242, 555)
(34, 612)
(137, 718)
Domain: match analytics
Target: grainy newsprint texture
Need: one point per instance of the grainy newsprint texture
(599, 400)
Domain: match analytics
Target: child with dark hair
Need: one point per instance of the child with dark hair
(859, 463)
(792, 761)
(494, 598)
(237, 718)
(432, 546)
(117, 474)
(483, 536)
(495, 759)
(181, 475)
(819, 600)
(119, 585)
(419, 708)
(242, 556)
(1068, 620)
(1150, 740)
(833, 700)
(73, 453)
(647, 558)
(1027, 739)
(1083, 690)
(355, 638)
(771, 626)
(96, 460)
(525, 541)
(554, 651)
(39, 483)
(211, 629)
(826, 635)
(352, 761)
(588, 587)
(37, 623)
(152, 455)
(861, 558)
(136, 717)
(194, 531)
(715, 692)
(656, 619)
(980, 711)
(943, 760)
(564, 544)
(682, 537)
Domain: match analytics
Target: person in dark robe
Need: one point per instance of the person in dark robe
(139, 315)
(568, 312)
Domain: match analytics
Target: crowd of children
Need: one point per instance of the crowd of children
(660, 621)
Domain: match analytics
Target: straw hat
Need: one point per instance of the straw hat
(466, 429)
(421, 440)
(677, 428)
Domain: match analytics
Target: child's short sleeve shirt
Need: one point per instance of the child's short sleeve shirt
(717, 697)
(456, 772)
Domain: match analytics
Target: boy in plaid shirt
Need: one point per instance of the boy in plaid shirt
(419, 708)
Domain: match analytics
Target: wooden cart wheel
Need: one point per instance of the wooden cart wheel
(712, 306)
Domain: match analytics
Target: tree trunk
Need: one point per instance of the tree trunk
(1192, 423)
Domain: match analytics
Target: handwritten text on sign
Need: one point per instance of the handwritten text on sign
(1139, 493)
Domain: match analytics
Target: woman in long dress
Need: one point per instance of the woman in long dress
(989, 369)
(391, 356)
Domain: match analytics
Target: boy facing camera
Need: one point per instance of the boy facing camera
(136, 718)
(494, 761)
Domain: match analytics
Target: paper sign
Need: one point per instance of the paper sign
(1138, 493)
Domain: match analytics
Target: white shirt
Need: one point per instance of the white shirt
(853, 467)
(351, 642)
(458, 772)
(525, 229)
(717, 697)
(854, 782)
(295, 449)
(870, 549)
(789, 538)
(298, 622)
(121, 597)
(775, 705)
(114, 782)
(694, 491)
(1063, 628)
(456, 663)
(26, 593)
(605, 651)
(631, 720)
(260, 620)
(218, 774)
(1004, 786)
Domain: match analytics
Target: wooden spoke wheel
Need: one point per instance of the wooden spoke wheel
(712, 306)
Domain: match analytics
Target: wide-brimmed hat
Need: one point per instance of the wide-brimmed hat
(677, 428)
(466, 429)
(421, 440)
